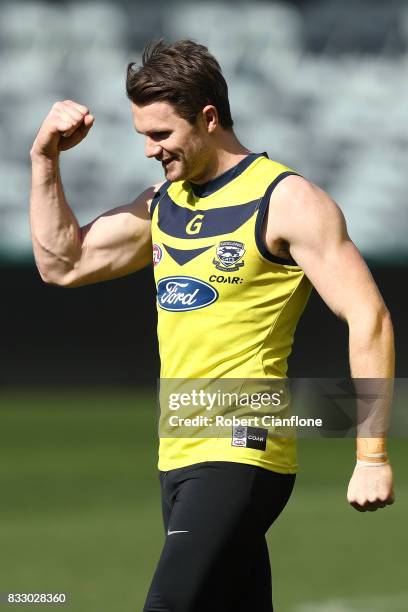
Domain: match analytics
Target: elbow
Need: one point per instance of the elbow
(372, 323)
(46, 276)
(53, 269)
(383, 321)
(57, 280)
(386, 322)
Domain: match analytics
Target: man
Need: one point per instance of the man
(238, 241)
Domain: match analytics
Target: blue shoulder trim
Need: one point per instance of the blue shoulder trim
(263, 205)
(157, 196)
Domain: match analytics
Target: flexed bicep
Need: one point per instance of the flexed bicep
(115, 244)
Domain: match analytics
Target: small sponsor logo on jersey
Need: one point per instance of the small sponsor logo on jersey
(182, 293)
(157, 254)
(250, 437)
(256, 438)
(230, 280)
(229, 253)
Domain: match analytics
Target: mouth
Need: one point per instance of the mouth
(166, 162)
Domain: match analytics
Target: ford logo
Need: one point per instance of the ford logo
(181, 293)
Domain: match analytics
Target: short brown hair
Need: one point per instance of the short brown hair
(185, 74)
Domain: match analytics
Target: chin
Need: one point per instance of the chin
(175, 175)
(171, 176)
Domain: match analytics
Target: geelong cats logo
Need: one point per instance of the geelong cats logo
(228, 257)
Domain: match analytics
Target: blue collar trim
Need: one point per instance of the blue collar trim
(206, 189)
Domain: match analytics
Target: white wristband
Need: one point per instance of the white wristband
(371, 463)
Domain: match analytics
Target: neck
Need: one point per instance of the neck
(227, 154)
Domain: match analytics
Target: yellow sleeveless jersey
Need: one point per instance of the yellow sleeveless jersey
(227, 308)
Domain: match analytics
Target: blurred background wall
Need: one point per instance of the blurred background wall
(321, 86)
(317, 84)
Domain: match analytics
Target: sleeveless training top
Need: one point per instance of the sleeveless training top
(227, 308)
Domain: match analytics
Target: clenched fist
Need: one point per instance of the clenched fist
(371, 488)
(64, 127)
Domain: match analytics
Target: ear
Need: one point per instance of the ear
(210, 117)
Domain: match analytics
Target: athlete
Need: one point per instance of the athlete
(237, 241)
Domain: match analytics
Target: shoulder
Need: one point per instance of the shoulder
(142, 202)
(297, 190)
(299, 206)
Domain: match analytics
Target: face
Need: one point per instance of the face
(184, 150)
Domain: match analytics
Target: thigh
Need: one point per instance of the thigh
(256, 592)
(215, 532)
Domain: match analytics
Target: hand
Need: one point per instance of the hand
(63, 128)
(371, 488)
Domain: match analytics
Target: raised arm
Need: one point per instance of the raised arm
(116, 243)
(312, 224)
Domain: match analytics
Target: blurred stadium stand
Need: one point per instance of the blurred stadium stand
(320, 85)
(317, 84)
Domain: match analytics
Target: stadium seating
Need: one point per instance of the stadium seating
(320, 87)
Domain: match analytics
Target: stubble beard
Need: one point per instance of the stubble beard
(175, 168)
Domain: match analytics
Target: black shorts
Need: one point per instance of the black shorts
(215, 556)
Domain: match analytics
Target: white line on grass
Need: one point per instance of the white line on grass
(391, 603)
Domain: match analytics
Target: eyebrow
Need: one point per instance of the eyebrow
(149, 132)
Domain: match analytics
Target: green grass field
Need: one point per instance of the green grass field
(80, 511)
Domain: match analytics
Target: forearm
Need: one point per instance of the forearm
(372, 363)
(56, 234)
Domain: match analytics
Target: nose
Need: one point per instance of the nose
(152, 149)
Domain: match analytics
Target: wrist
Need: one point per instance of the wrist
(45, 146)
(41, 158)
(371, 464)
(373, 450)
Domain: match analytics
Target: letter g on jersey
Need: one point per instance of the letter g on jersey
(194, 226)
